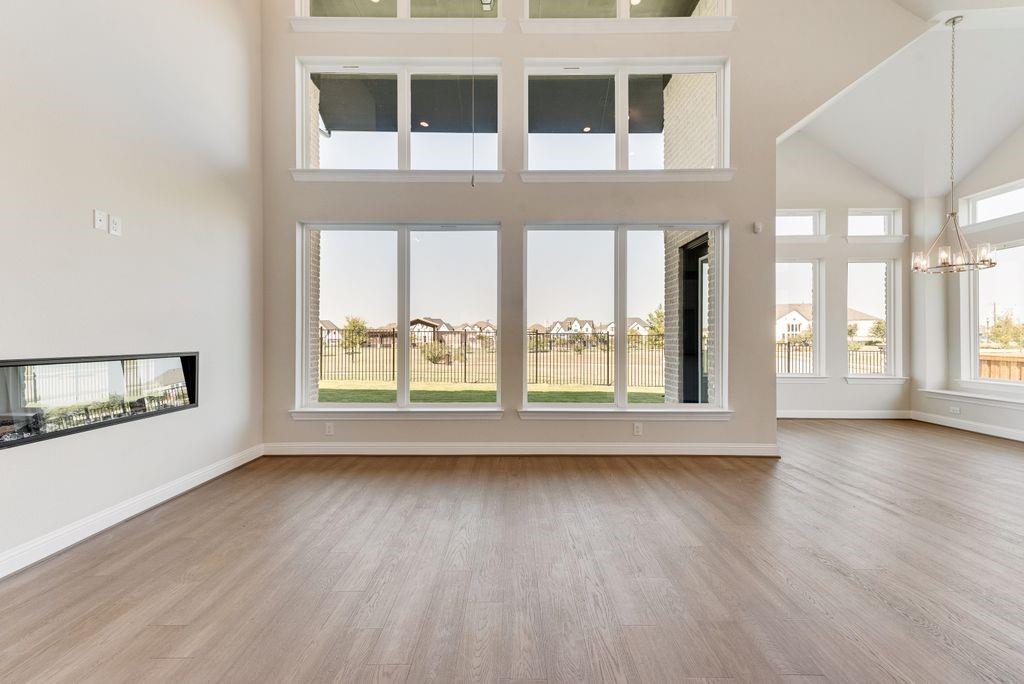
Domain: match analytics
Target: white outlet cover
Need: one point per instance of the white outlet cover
(99, 220)
(116, 225)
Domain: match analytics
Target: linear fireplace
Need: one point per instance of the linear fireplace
(45, 398)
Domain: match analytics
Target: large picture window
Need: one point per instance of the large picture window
(1000, 317)
(796, 311)
(400, 117)
(639, 327)
(869, 328)
(642, 118)
(391, 320)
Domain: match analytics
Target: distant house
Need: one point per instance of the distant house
(329, 331)
(383, 336)
(634, 326)
(573, 325)
(537, 328)
(425, 324)
(792, 320)
(485, 327)
(862, 323)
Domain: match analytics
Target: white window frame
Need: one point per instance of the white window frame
(969, 206)
(622, 22)
(819, 322)
(621, 70)
(970, 342)
(820, 233)
(404, 22)
(307, 410)
(893, 322)
(621, 406)
(893, 226)
(404, 70)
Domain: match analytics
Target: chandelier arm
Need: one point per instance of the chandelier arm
(936, 240)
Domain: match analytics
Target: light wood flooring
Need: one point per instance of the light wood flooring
(874, 551)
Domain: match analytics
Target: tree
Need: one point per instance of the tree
(1006, 333)
(354, 335)
(877, 332)
(656, 327)
(851, 330)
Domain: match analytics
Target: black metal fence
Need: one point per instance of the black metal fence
(797, 358)
(867, 361)
(471, 357)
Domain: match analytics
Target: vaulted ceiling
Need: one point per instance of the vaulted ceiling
(927, 9)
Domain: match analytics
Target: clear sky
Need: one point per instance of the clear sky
(794, 283)
(866, 290)
(1002, 287)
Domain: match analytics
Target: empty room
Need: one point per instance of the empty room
(512, 341)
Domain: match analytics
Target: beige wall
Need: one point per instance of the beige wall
(778, 76)
(151, 111)
(810, 176)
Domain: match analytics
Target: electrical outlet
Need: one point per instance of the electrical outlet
(329, 429)
(99, 220)
(955, 410)
(116, 226)
(638, 429)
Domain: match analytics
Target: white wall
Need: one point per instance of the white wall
(941, 347)
(149, 110)
(811, 176)
(787, 58)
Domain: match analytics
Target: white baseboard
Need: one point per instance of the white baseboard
(846, 415)
(515, 449)
(970, 426)
(39, 548)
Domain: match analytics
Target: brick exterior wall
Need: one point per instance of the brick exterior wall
(674, 241)
(691, 135)
(313, 256)
(708, 8)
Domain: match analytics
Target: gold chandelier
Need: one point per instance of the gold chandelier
(950, 252)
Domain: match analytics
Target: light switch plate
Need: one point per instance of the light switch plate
(99, 220)
(116, 226)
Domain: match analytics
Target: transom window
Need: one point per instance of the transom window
(390, 319)
(995, 204)
(655, 117)
(400, 117)
(610, 9)
(639, 327)
(799, 222)
(999, 312)
(872, 222)
(403, 8)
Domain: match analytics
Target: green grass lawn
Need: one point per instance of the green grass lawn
(374, 393)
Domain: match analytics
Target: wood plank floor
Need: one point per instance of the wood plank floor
(874, 551)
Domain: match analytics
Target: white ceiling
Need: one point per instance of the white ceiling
(927, 9)
(894, 122)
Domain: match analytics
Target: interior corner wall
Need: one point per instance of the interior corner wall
(778, 76)
(810, 176)
(940, 342)
(150, 111)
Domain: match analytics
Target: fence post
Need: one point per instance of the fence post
(465, 356)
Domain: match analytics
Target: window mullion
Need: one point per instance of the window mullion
(621, 338)
(403, 317)
(404, 119)
(404, 9)
(622, 9)
(621, 119)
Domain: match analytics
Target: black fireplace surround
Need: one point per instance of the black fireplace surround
(46, 398)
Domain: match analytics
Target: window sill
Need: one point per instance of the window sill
(447, 412)
(875, 380)
(646, 25)
(615, 413)
(992, 388)
(801, 239)
(796, 379)
(1001, 222)
(672, 176)
(977, 399)
(396, 25)
(876, 239)
(394, 176)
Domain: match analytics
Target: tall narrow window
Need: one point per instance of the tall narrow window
(1001, 318)
(570, 350)
(363, 282)
(673, 121)
(357, 121)
(357, 298)
(795, 305)
(454, 123)
(452, 9)
(453, 327)
(572, 122)
(353, 8)
(637, 327)
(867, 326)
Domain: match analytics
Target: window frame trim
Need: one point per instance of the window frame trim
(819, 322)
(969, 204)
(621, 70)
(404, 70)
(893, 225)
(623, 22)
(820, 233)
(893, 318)
(402, 21)
(305, 410)
(620, 405)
